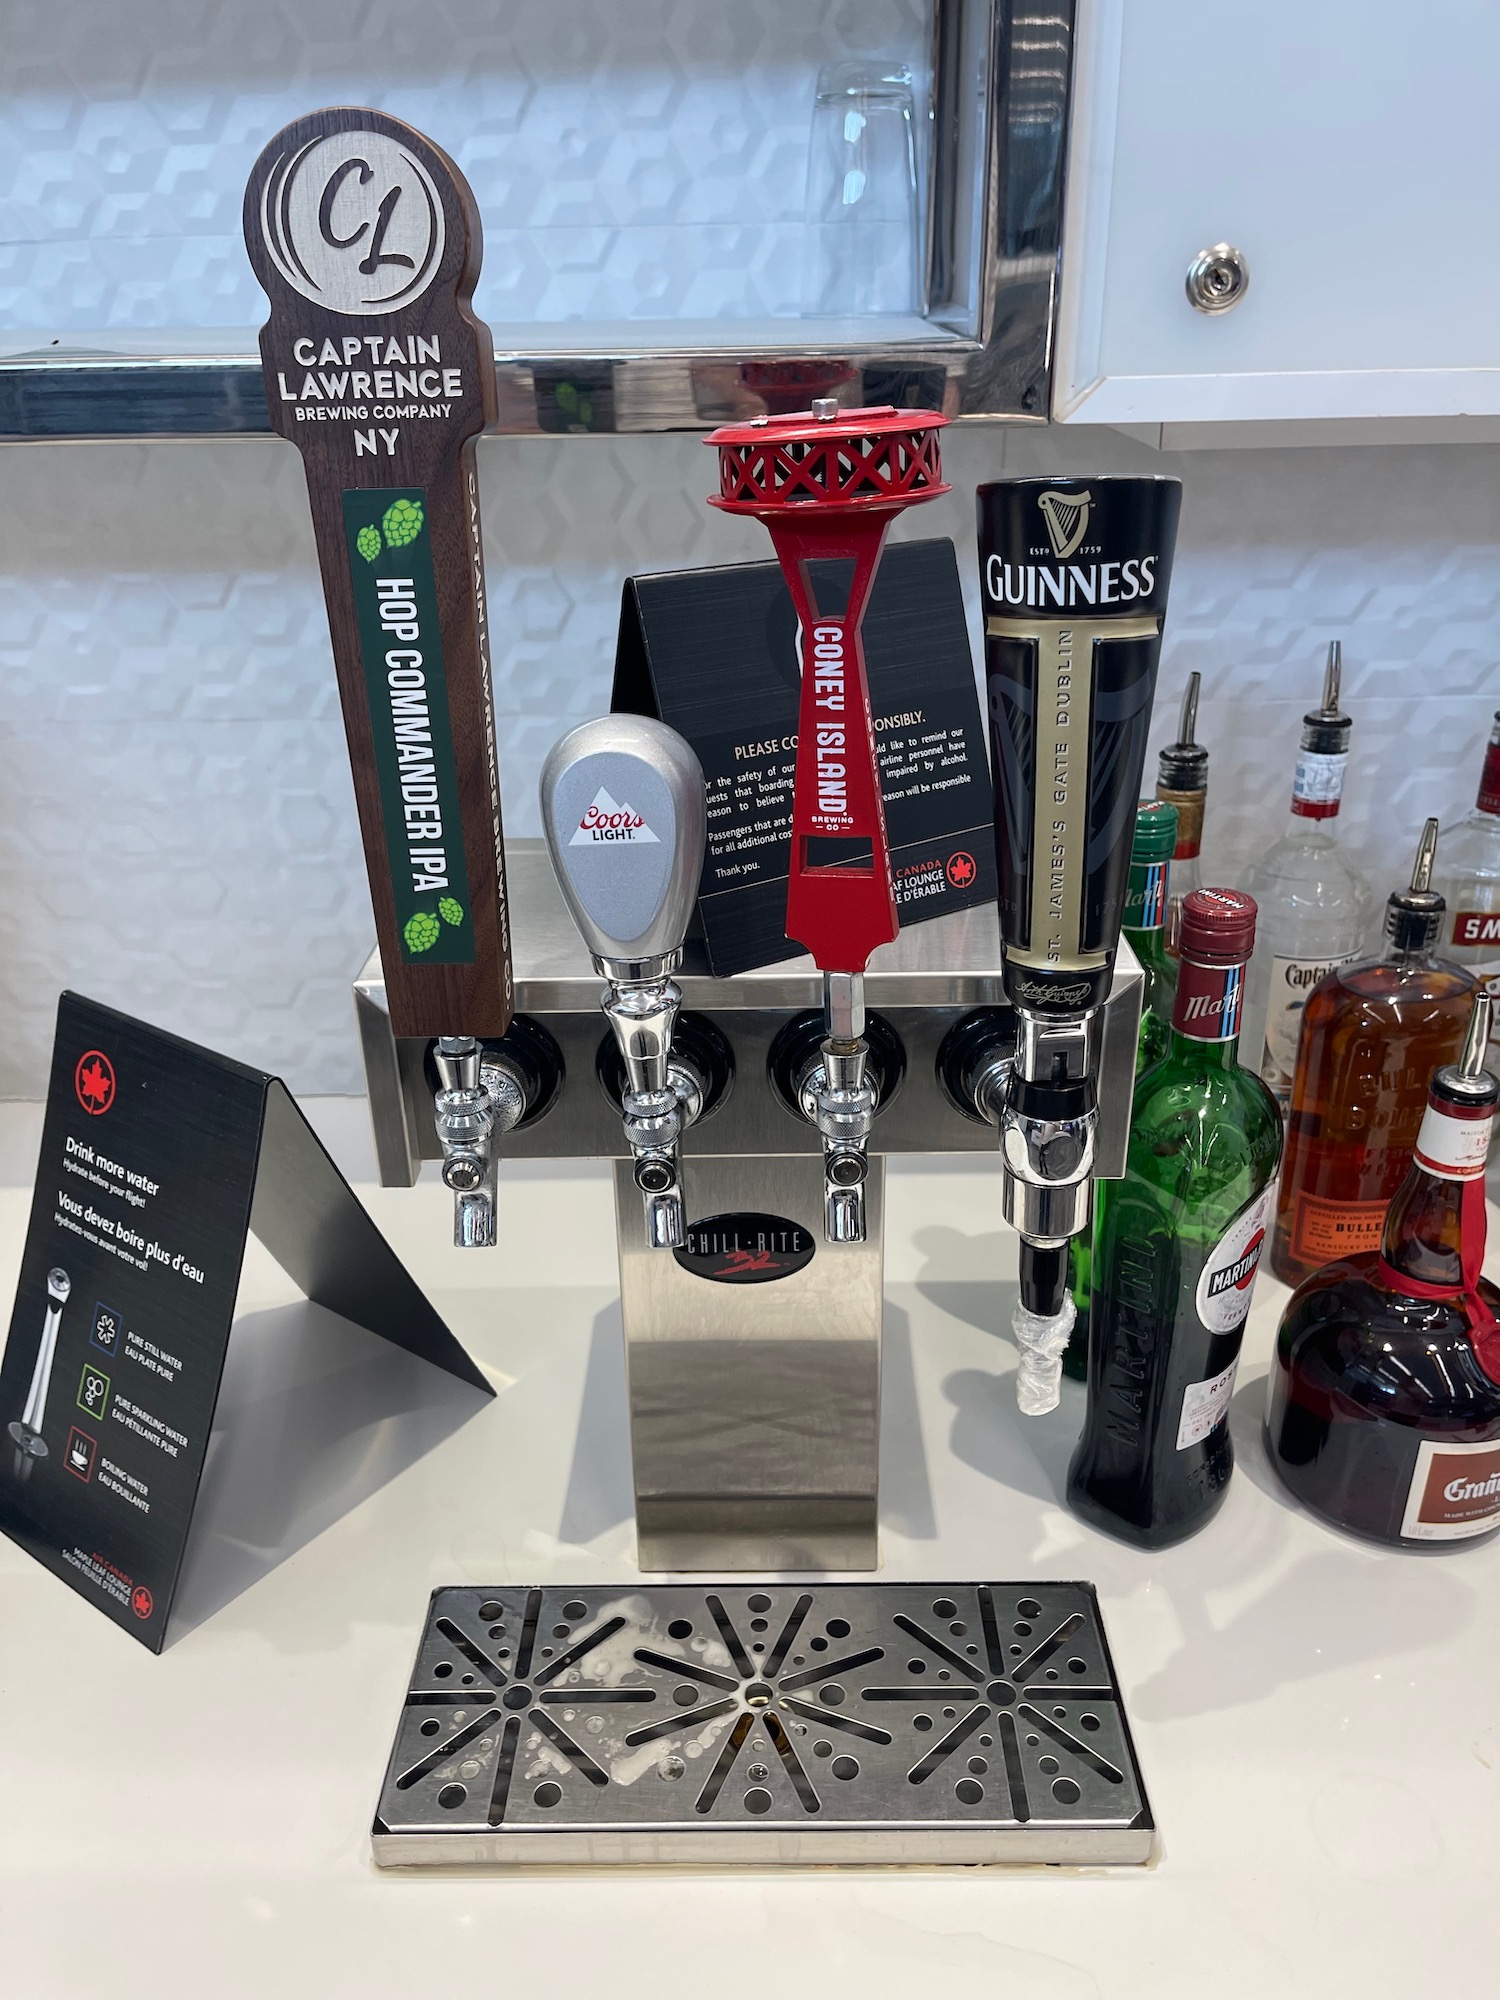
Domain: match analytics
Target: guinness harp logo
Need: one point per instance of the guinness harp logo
(1067, 518)
(353, 222)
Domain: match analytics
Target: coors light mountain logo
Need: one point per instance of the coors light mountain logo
(353, 221)
(604, 820)
(1067, 519)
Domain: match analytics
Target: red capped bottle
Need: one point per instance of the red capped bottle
(1384, 1412)
(1177, 1243)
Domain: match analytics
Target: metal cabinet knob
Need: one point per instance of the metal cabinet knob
(1217, 279)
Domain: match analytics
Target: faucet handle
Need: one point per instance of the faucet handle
(626, 824)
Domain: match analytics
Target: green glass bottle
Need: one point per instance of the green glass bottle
(1144, 925)
(1177, 1243)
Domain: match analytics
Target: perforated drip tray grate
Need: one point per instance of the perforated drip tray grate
(741, 1724)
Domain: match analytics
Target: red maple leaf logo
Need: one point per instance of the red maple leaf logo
(94, 1082)
(141, 1601)
(961, 869)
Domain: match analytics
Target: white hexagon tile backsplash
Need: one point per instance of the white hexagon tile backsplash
(177, 830)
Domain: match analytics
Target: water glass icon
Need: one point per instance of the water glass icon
(861, 210)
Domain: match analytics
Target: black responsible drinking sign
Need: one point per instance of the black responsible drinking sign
(157, 1159)
(714, 653)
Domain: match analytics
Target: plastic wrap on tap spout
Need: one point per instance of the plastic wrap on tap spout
(1042, 1339)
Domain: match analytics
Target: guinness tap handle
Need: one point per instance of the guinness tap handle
(1074, 576)
(625, 819)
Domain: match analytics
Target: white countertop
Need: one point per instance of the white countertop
(1318, 1720)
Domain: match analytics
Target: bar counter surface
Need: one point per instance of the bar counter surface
(1318, 1720)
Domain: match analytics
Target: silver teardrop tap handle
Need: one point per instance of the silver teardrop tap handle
(626, 823)
(27, 1433)
(479, 1097)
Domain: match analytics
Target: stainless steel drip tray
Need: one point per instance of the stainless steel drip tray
(741, 1724)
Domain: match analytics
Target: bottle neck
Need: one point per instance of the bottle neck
(1206, 1014)
(1435, 1227)
(1146, 911)
(1189, 806)
(1489, 785)
(1318, 787)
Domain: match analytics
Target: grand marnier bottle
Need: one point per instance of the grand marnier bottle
(1384, 1412)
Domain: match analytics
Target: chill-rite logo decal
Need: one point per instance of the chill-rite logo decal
(606, 821)
(395, 597)
(745, 1249)
(1067, 519)
(94, 1082)
(354, 222)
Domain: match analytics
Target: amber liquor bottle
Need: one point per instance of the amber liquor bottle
(1372, 1034)
(1384, 1412)
(1176, 1246)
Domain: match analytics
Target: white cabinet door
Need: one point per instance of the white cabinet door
(1349, 149)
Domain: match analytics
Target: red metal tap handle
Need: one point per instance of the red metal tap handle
(829, 487)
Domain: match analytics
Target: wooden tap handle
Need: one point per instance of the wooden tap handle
(366, 239)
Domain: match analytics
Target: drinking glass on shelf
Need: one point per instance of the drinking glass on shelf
(861, 211)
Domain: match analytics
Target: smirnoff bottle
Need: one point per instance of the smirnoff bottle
(1384, 1411)
(1182, 781)
(1177, 1242)
(1468, 879)
(1314, 903)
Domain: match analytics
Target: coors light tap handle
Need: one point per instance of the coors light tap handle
(625, 818)
(1074, 576)
(366, 239)
(827, 482)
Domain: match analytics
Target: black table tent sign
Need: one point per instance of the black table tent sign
(713, 653)
(157, 1158)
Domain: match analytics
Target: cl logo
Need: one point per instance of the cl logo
(353, 222)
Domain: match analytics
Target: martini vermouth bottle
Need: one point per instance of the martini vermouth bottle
(1314, 903)
(1145, 926)
(1384, 1412)
(1177, 1244)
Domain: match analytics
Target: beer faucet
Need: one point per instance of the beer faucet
(1074, 576)
(625, 819)
(481, 1095)
(27, 1432)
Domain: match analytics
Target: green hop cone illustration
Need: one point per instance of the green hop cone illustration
(403, 522)
(450, 910)
(367, 541)
(422, 931)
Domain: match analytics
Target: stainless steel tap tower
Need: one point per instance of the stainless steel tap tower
(753, 1349)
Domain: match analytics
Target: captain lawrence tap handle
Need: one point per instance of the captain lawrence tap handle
(366, 239)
